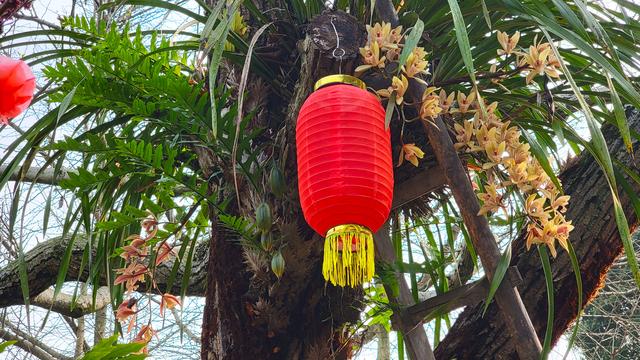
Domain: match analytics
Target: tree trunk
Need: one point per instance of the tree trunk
(298, 316)
(596, 241)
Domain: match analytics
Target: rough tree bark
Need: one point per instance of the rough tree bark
(300, 317)
(43, 262)
(596, 242)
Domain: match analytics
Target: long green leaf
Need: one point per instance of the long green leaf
(465, 49)
(6, 344)
(621, 118)
(548, 277)
(410, 43)
(498, 275)
(216, 57)
(541, 156)
(391, 106)
(64, 105)
(463, 38)
(485, 13)
(576, 271)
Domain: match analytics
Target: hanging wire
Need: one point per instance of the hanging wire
(338, 49)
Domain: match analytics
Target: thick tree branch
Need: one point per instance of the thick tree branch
(460, 296)
(48, 176)
(37, 20)
(37, 175)
(64, 303)
(44, 261)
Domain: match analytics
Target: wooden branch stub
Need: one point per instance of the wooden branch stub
(37, 175)
(417, 186)
(461, 296)
(514, 277)
(469, 294)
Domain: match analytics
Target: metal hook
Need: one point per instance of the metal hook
(338, 49)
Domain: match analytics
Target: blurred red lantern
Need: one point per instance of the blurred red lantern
(17, 84)
(345, 174)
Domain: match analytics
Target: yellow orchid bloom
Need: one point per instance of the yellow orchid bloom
(399, 85)
(485, 134)
(519, 153)
(549, 236)
(508, 43)
(511, 135)
(379, 32)
(491, 200)
(446, 101)
(465, 102)
(539, 61)
(544, 235)
(495, 150)
(560, 203)
(539, 178)
(382, 34)
(518, 175)
(419, 52)
(430, 107)
(371, 57)
(563, 228)
(535, 207)
(534, 235)
(465, 135)
(415, 65)
(411, 153)
(395, 35)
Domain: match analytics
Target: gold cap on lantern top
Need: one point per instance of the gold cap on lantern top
(340, 79)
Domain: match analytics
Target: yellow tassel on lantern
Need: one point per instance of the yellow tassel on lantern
(348, 255)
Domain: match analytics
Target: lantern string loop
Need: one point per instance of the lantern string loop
(338, 49)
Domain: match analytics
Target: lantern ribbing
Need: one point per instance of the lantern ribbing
(17, 84)
(345, 176)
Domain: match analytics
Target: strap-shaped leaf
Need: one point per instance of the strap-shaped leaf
(498, 275)
(410, 43)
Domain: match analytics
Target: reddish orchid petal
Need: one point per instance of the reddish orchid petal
(168, 301)
(127, 310)
(164, 251)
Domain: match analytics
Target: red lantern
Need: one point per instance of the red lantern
(17, 84)
(345, 174)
